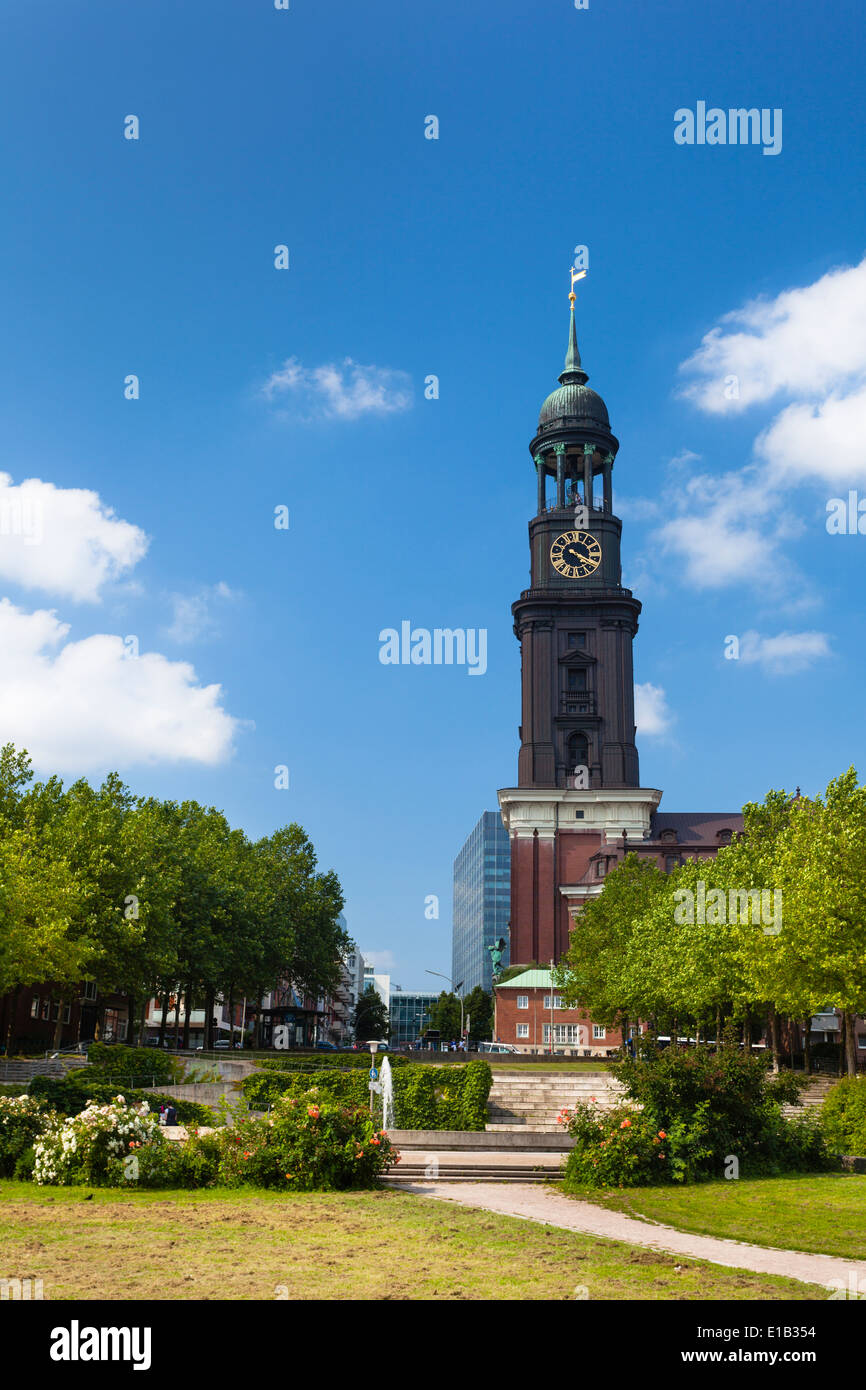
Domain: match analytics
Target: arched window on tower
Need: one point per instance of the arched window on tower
(577, 751)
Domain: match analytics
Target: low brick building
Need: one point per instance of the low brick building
(533, 1018)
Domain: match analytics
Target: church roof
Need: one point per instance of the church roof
(695, 827)
(573, 401)
(530, 979)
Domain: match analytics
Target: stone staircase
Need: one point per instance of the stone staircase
(530, 1103)
(49, 1066)
(477, 1168)
(814, 1094)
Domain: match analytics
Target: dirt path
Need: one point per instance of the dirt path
(532, 1202)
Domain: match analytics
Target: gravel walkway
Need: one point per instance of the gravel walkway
(533, 1202)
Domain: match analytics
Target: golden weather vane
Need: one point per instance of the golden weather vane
(575, 276)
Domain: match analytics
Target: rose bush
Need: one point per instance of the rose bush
(22, 1121)
(307, 1143)
(626, 1147)
(83, 1147)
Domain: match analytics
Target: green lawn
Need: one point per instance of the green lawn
(824, 1213)
(88, 1244)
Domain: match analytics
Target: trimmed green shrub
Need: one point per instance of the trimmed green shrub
(843, 1116)
(135, 1065)
(425, 1096)
(328, 1061)
(69, 1095)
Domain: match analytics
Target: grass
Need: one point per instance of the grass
(90, 1244)
(823, 1213)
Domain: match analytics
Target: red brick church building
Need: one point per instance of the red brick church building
(579, 805)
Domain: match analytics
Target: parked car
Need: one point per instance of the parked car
(323, 1046)
(497, 1047)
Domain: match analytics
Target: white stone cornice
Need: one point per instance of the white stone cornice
(546, 810)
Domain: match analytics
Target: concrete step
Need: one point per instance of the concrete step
(526, 1127)
(473, 1175)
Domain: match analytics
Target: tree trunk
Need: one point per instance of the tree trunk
(774, 1038)
(164, 1018)
(13, 1014)
(807, 1050)
(177, 1018)
(208, 1019)
(141, 1022)
(850, 1045)
(130, 1016)
(187, 996)
(231, 1014)
(747, 1032)
(58, 1029)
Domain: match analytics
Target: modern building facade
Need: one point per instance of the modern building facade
(579, 806)
(482, 901)
(409, 1014)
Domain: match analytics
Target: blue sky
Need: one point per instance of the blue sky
(410, 257)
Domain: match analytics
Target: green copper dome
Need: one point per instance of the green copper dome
(573, 399)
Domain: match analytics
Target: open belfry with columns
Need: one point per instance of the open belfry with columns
(579, 806)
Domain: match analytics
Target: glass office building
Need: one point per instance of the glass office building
(409, 1014)
(482, 902)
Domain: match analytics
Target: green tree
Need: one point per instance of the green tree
(370, 1018)
(445, 1016)
(478, 1006)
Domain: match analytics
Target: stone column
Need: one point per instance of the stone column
(559, 450)
(540, 470)
(588, 451)
(608, 482)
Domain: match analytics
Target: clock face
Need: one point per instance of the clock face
(575, 554)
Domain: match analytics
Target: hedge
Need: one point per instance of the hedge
(425, 1096)
(347, 1061)
(843, 1116)
(70, 1094)
(130, 1064)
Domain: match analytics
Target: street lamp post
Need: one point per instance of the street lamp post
(454, 989)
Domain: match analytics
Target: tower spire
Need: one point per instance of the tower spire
(573, 369)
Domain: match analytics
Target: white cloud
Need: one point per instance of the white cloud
(193, 617)
(786, 654)
(805, 343)
(651, 713)
(808, 343)
(341, 391)
(382, 961)
(822, 442)
(86, 705)
(63, 541)
(729, 530)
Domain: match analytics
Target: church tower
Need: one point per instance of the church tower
(578, 797)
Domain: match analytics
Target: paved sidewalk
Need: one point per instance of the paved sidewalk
(533, 1203)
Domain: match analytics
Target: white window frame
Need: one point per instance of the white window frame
(34, 1006)
(523, 1001)
(599, 1032)
(523, 1030)
(564, 1034)
(558, 1001)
